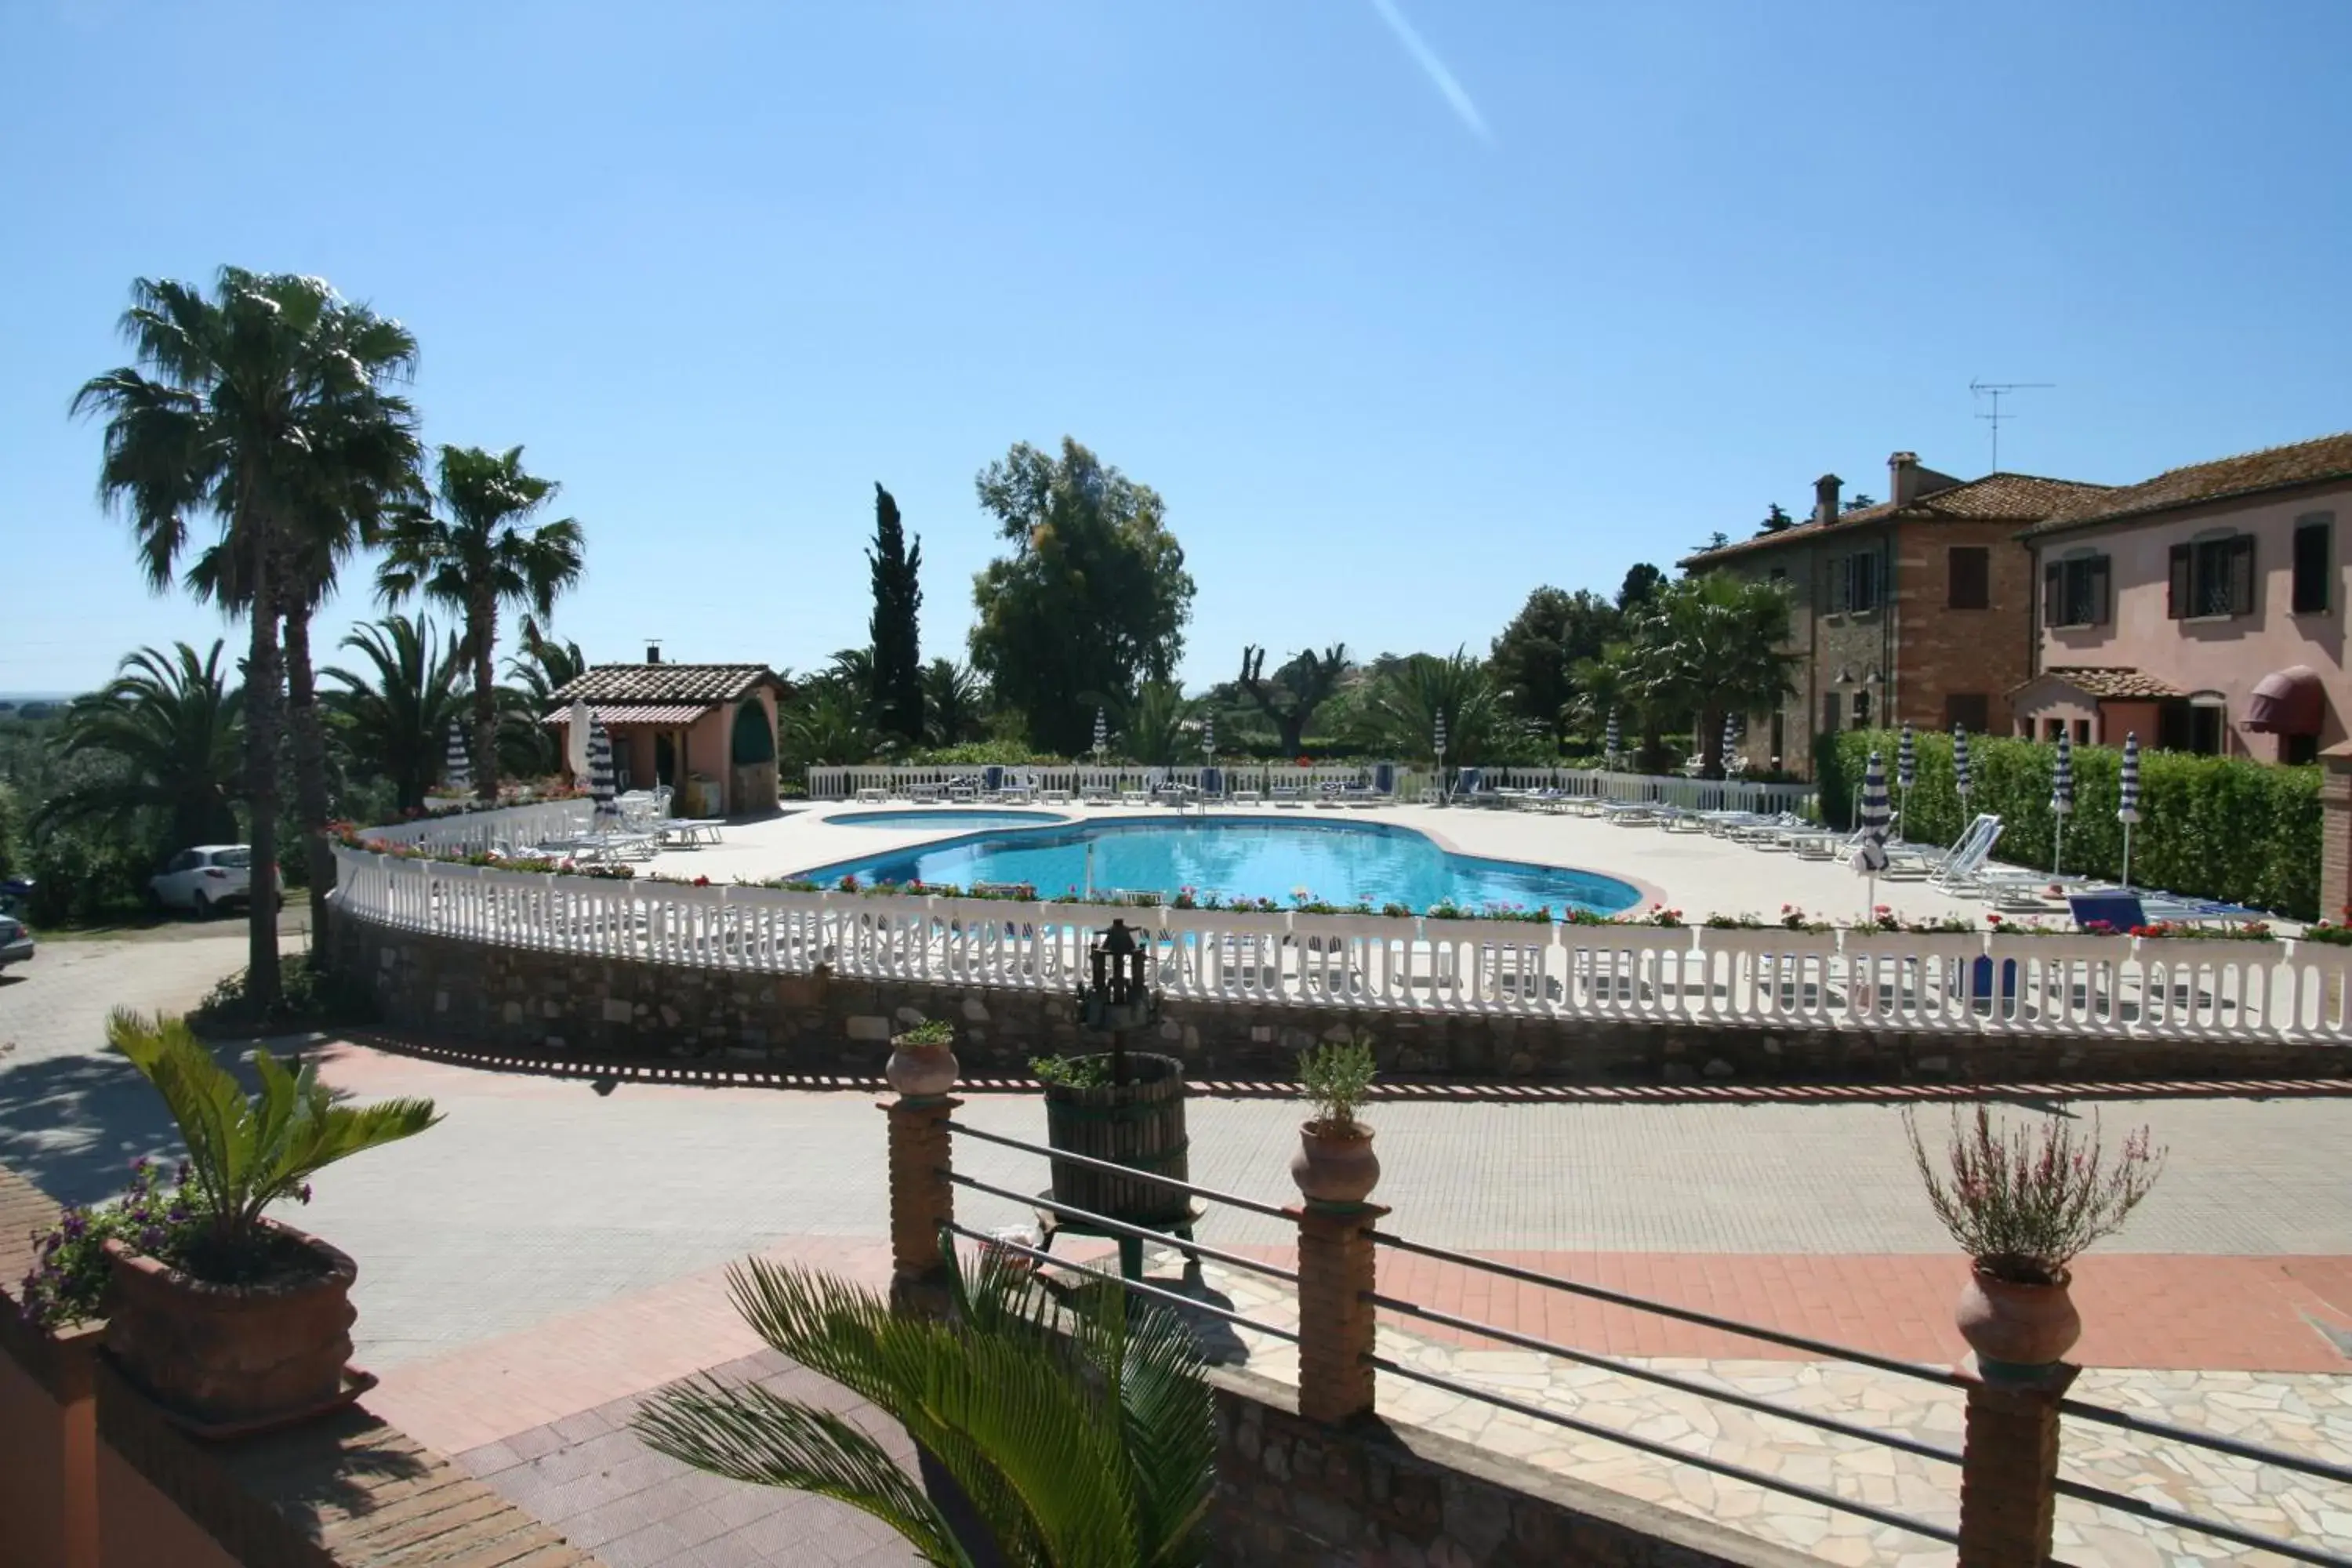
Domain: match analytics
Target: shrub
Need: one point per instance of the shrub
(1336, 1077)
(929, 1032)
(66, 1283)
(2217, 827)
(79, 877)
(311, 996)
(1072, 1072)
(2025, 1202)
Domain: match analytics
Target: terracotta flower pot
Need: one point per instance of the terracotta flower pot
(1334, 1164)
(2009, 1324)
(234, 1355)
(920, 1072)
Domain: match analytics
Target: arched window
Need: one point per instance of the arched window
(754, 740)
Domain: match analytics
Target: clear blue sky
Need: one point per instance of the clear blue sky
(1398, 332)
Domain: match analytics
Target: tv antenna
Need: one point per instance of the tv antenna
(1993, 389)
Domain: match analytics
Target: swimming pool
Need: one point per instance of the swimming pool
(1238, 857)
(944, 817)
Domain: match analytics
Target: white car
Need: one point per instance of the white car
(16, 941)
(209, 877)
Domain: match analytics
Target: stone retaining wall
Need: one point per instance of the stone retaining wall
(1294, 1494)
(530, 1001)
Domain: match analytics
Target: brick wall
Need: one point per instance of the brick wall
(1292, 1493)
(1941, 651)
(554, 1005)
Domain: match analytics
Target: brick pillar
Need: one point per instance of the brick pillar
(922, 1198)
(2335, 832)
(1334, 1320)
(2008, 1468)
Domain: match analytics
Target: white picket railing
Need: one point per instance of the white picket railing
(505, 827)
(2121, 986)
(829, 783)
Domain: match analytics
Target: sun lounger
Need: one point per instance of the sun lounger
(689, 831)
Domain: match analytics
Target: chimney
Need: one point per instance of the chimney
(1825, 498)
(1903, 478)
(653, 653)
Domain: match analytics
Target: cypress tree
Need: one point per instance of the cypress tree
(898, 645)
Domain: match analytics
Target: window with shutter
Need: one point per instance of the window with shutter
(2100, 591)
(1969, 578)
(2241, 575)
(2175, 597)
(2054, 595)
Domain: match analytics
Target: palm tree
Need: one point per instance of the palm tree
(394, 717)
(526, 742)
(826, 721)
(1081, 1431)
(955, 704)
(260, 397)
(169, 722)
(478, 557)
(1705, 647)
(1400, 711)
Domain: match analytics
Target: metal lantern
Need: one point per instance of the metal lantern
(1118, 995)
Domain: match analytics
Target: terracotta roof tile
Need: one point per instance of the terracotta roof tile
(1996, 497)
(2115, 682)
(2248, 473)
(611, 713)
(702, 684)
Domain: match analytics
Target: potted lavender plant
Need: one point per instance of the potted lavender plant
(2023, 1203)
(1335, 1164)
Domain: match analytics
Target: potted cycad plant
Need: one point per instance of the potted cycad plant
(231, 1320)
(922, 1062)
(1335, 1164)
(2023, 1203)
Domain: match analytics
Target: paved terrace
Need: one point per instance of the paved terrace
(532, 1267)
(1697, 873)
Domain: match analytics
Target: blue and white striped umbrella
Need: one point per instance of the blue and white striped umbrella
(2061, 799)
(1906, 763)
(1102, 732)
(1869, 847)
(457, 773)
(601, 788)
(1209, 735)
(1438, 735)
(2127, 802)
(1960, 762)
(1730, 739)
(1613, 742)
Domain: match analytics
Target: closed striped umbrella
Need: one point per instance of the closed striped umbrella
(2127, 802)
(457, 773)
(1730, 741)
(1611, 742)
(2061, 799)
(1870, 845)
(1906, 773)
(1960, 763)
(601, 788)
(1102, 733)
(1209, 735)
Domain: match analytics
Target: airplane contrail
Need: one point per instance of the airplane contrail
(1434, 68)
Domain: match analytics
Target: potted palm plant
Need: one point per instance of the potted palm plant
(1335, 1164)
(2023, 1203)
(1071, 1425)
(231, 1320)
(922, 1065)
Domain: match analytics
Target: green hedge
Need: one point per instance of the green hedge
(2217, 827)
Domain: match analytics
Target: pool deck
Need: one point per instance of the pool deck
(1694, 872)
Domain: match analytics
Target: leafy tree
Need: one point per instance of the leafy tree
(393, 717)
(826, 723)
(1094, 597)
(169, 724)
(1776, 521)
(955, 704)
(898, 598)
(1857, 501)
(258, 399)
(1402, 703)
(1149, 727)
(477, 556)
(1078, 1423)
(1642, 580)
(526, 743)
(1709, 646)
(1536, 653)
(1298, 689)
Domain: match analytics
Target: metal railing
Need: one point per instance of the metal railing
(1978, 983)
(2220, 1529)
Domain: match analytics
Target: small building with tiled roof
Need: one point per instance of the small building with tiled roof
(2223, 583)
(1916, 608)
(709, 731)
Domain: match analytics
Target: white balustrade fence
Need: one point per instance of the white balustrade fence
(1962, 982)
(829, 783)
(505, 828)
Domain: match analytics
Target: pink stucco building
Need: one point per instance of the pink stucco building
(709, 731)
(2203, 609)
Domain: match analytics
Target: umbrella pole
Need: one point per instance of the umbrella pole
(2126, 855)
(2058, 844)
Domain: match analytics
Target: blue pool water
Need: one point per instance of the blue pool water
(1338, 862)
(945, 818)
